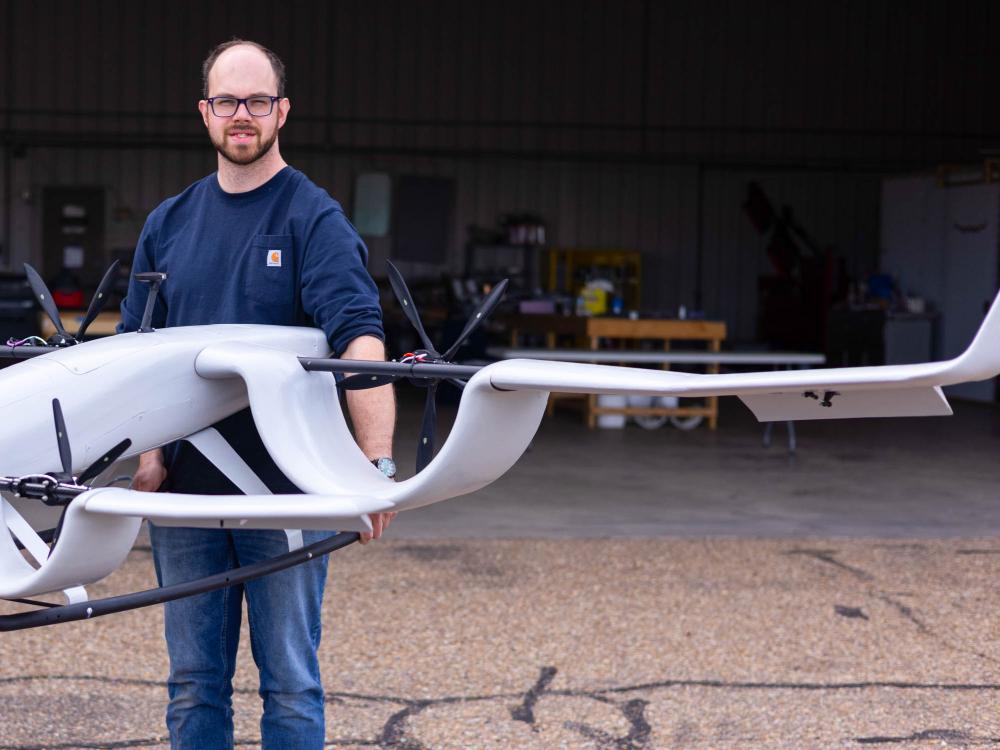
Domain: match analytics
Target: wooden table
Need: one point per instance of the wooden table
(783, 360)
(589, 332)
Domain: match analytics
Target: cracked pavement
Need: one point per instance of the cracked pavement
(621, 590)
(581, 644)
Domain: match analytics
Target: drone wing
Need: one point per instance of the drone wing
(101, 524)
(783, 395)
(322, 512)
(886, 391)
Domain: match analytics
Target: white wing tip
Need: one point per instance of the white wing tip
(981, 360)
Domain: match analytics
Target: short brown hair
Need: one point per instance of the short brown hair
(276, 65)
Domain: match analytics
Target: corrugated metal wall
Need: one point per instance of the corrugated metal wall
(627, 123)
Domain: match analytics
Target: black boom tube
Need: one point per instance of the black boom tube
(403, 369)
(89, 610)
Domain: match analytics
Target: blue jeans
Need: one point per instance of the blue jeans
(203, 633)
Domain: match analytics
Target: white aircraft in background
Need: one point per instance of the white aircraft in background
(138, 391)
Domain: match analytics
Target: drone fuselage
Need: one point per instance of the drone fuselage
(166, 385)
(140, 386)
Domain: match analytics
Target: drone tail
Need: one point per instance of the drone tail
(922, 397)
(927, 401)
(981, 361)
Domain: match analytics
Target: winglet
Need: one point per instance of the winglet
(981, 361)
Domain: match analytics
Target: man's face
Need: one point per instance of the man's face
(243, 72)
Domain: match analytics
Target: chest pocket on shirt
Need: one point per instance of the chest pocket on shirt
(270, 278)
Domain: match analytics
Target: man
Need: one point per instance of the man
(256, 242)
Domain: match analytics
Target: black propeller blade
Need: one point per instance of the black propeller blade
(402, 293)
(425, 448)
(487, 306)
(99, 299)
(65, 456)
(44, 297)
(89, 473)
(57, 531)
(97, 302)
(104, 461)
(65, 486)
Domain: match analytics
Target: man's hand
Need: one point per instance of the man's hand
(380, 522)
(151, 473)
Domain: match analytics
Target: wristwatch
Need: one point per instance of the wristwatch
(386, 465)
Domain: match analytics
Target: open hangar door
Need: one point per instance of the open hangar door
(940, 242)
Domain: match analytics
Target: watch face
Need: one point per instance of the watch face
(387, 466)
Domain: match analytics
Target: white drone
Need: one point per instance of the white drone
(138, 391)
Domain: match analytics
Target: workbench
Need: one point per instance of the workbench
(589, 332)
(786, 360)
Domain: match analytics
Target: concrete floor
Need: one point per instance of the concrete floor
(927, 477)
(843, 598)
(531, 644)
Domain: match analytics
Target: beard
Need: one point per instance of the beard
(246, 154)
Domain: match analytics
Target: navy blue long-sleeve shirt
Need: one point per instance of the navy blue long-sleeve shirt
(282, 254)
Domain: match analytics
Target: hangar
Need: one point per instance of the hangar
(702, 187)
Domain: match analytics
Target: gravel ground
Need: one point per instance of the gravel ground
(616, 644)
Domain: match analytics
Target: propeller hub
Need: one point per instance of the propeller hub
(429, 355)
(59, 339)
(426, 356)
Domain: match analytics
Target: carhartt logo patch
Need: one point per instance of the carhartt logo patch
(274, 258)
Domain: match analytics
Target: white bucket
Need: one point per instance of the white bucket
(652, 421)
(611, 421)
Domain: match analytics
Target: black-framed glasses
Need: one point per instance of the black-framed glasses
(257, 106)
